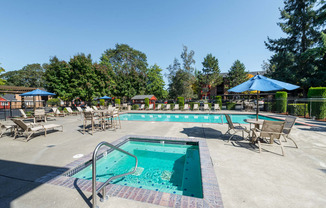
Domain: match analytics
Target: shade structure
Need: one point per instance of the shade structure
(36, 92)
(261, 83)
(105, 98)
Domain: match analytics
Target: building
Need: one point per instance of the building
(139, 99)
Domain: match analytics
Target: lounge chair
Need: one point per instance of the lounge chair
(80, 110)
(23, 113)
(195, 107)
(88, 109)
(217, 107)
(4, 128)
(142, 107)
(289, 123)
(176, 107)
(186, 107)
(71, 112)
(167, 107)
(94, 107)
(270, 129)
(57, 112)
(235, 129)
(150, 107)
(29, 129)
(124, 106)
(206, 107)
(159, 106)
(39, 115)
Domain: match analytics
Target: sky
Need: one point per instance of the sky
(34, 31)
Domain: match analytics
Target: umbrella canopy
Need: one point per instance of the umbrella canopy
(37, 92)
(261, 83)
(105, 98)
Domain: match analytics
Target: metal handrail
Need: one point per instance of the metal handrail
(102, 187)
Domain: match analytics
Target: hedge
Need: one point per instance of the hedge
(135, 107)
(54, 102)
(219, 101)
(146, 102)
(299, 109)
(281, 101)
(181, 102)
(192, 105)
(318, 109)
(210, 105)
(102, 102)
(230, 106)
(117, 101)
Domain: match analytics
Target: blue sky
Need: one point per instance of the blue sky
(33, 31)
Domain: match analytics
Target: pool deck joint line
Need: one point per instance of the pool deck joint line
(211, 192)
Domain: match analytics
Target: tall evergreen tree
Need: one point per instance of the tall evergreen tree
(155, 83)
(237, 74)
(296, 54)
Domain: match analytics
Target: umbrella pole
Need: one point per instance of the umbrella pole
(34, 101)
(257, 107)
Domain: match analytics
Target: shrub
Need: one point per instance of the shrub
(269, 106)
(146, 102)
(117, 101)
(102, 102)
(135, 107)
(299, 109)
(181, 102)
(230, 106)
(210, 105)
(171, 106)
(281, 101)
(219, 101)
(192, 105)
(54, 102)
(65, 110)
(317, 109)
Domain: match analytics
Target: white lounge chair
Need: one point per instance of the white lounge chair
(150, 107)
(186, 107)
(94, 107)
(57, 112)
(195, 107)
(206, 107)
(159, 106)
(70, 111)
(167, 107)
(142, 107)
(4, 128)
(176, 107)
(217, 107)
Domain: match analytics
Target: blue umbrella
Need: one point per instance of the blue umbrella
(105, 98)
(261, 83)
(36, 92)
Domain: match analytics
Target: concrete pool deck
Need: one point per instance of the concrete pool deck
(245, 177)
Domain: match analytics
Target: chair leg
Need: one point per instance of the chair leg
(29, 137)
(231, 137)
(283, 153)
(258, 140)
(293, 142)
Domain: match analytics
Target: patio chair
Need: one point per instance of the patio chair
(235, 129)
(115, 118)
(206, 107)
(4, 128)
(29, 129)
(94, 107)
(186, 107)
(125, 106)
(270, 129)
(217, 107)
(80, 110)
(150, 107)
(195, 107)
(289, 123)
(39, 115)
(167, 107)
(71, 112)
(159, 106)
(142, 107)
(57, 112)
(23, 113)
(89, 116)
(176, 107)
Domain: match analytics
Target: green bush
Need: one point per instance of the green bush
(192, 105)
(230, 106)
(219, 101)
(117, 101)
(318, 109)
(54, 102)
(281, 101)
(181, 102)
(65, 110)
(299, 109)
(146, 102)
(269, 106)
(135, 107)
(210, 105)
(171, 106)
(102, 102)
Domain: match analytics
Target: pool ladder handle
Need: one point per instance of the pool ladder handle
(102, 187)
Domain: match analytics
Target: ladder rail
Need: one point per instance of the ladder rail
(102, 187)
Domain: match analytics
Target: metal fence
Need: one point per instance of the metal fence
(9, 109)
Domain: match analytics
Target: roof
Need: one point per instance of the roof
(16, 89)
(142, 97)
(225, 74)
(10, 97)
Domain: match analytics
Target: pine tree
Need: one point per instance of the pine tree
(237, 74)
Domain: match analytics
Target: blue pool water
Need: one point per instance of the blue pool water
(200, 118)
(171, 168)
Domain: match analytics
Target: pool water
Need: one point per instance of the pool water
(171, 168)
(200, 118)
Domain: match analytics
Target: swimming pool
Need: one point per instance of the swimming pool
(181, 117)
(162, 166)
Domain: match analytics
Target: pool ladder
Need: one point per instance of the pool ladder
(102, 187)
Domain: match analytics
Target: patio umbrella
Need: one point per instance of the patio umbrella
(261, 83)
(105, 98)
(36, 92)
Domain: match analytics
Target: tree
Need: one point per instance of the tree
(129, 67)
(2, 81)
(211, 73)
(181, 80)
(299, 55)
(155, 83)
(237, 74)
(31, 75)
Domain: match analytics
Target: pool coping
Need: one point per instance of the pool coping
(211, 193)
